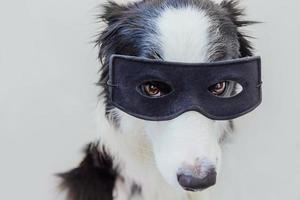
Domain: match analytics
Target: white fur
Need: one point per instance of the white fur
(183, 142)
(151, 153)
(183, 34)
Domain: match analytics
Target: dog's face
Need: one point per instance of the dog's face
(186, 149)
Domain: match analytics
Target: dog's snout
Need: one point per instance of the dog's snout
(193, 182)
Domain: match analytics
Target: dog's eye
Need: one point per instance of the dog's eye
(155, 89)
(219, 88)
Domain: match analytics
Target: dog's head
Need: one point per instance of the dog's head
(187, 148)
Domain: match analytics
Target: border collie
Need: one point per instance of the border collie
(139, 159)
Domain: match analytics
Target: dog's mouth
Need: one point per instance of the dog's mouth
(196, 189)
(193, 190)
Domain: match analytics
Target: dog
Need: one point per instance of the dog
(179, 159)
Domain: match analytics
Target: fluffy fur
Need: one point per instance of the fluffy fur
(144, 157)
(95, 175)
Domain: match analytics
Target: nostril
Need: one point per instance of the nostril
(193, 183)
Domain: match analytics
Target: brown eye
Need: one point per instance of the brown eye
(152, 90)
(219, 88)
(155, 89)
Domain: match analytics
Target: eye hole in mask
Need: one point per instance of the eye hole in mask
(155, 89)
(226, 89)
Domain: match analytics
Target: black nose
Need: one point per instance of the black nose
(193, 183)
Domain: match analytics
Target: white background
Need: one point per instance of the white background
(47, 100)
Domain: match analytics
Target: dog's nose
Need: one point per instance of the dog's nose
(195, 183)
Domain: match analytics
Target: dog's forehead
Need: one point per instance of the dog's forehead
(185, 31)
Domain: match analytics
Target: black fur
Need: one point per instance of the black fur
(94, 179)
(236, 13)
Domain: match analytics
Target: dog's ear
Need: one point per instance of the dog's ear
(114, 39)
(236, 13)
(112, 12)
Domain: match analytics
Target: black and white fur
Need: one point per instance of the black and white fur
(141, 159)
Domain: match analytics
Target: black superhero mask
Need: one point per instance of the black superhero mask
(182, 87)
